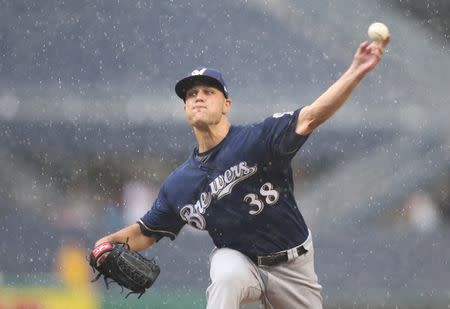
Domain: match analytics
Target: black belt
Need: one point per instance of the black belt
(276, 258)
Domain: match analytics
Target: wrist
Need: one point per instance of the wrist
(356, 72)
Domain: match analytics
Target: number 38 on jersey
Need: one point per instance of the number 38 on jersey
(266, 196)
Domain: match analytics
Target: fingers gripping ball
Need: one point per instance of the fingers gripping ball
(378, 32)
(129, 269)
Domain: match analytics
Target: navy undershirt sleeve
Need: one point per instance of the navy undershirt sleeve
(161, 220)
(280, 135)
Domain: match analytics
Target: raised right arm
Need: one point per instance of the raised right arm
(366, 58)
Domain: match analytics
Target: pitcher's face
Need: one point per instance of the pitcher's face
(205, 106)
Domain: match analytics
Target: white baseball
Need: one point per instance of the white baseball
(378, 32)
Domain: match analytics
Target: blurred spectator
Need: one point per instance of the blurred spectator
(137, 199)
(72, 267)
(421, 212)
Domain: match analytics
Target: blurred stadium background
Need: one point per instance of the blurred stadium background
(90, 127)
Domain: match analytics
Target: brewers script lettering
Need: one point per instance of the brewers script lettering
(221, 186)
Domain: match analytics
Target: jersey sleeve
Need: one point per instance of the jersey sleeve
(161, 220)
(279, 134)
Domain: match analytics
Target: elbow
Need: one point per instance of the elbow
(306, 126)
(309, 119)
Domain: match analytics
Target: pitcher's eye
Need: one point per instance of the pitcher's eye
(191, 93)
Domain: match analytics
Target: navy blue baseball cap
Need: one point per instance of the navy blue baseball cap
(201, 76)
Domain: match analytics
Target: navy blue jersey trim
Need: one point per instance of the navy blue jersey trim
(147, 231)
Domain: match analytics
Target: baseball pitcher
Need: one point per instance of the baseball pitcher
(238, 186)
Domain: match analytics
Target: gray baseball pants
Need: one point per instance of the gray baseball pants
(236, 280)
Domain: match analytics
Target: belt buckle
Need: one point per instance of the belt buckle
(261, 261)
(289, 255)
(270, 260)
